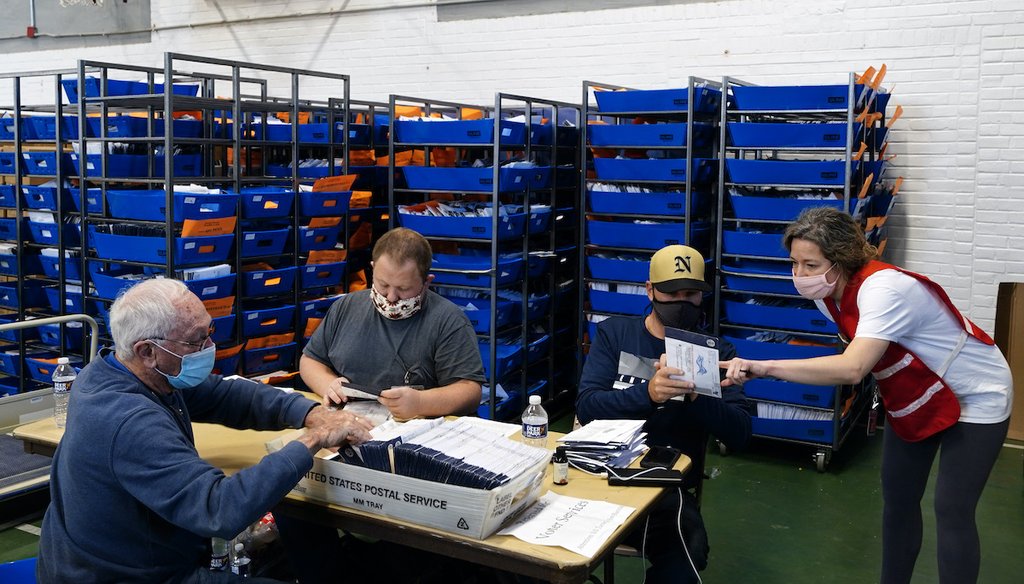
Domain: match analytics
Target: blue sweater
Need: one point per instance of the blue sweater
(131, 501)
(614, 386)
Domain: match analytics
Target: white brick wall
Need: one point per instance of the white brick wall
(957, 68)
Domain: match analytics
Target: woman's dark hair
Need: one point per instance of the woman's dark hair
(839, 237)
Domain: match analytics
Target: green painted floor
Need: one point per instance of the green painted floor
(773, 519)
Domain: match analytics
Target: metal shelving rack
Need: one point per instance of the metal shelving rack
(559, 196)
(687, 145)
(760, 271)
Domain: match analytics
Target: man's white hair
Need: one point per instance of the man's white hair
(147, 310)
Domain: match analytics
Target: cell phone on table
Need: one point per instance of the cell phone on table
(659, 457)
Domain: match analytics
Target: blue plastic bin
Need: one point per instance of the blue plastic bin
(505, 409)
(11, 336)
(136, 127)
(110, 282)
(11, 573)
(648, 135)
(821, 396)
(750, 349)
(29, 264)
(653, 236)
(321, 275)
(779, 208)
(538, 347)
(151, 205)
(658, 100)
(44, 198)
(7, 197)
(270, 242)
(795, 135)
(9, 228)
(93, 198)
(72, 301)
(7, 129)
(508, 356)
(210, 288)
(266, 203)
(624, 269)
(663, 169)
(41, 128)
(324, 204)
(269, 359)
(507, 313)
(268, 320)
(315, 308)
(222, 328)
(510, 226)
(40, 369)
(459, 132)
(618, 303)
(228, 365)
(49, 334)
(656, 203)
(753, 244)
(472, 180)
(188, 250)
(789, 172)
(803, 430)
(117, 87)
(318, 238)
(51, 266)
(7, 161)
(758, 276)
(306, 172)
(268, 282)
(793, 97)
(47, 233)
(132, 165)
(795, 318)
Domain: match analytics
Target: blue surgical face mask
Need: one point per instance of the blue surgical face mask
(195, 367)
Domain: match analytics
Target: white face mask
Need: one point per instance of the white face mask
(815, 287)
(400, 309)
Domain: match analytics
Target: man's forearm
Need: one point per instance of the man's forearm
(316, 375)
(461, 397)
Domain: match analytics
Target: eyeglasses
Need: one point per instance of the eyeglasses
(206, 342)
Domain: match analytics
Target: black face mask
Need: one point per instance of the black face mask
(680, 314)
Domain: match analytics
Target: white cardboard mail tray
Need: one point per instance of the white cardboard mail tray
(469, 512)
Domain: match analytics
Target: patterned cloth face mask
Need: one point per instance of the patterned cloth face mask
(398, 310)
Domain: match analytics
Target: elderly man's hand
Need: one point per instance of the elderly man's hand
(662, 388)
(328, 428)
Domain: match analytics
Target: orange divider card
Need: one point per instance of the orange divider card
(360, 199)
(326, 256)
(218, 307)
(228, 352)
(335, 183)
(361, 158)
(270, 341)
(866, 76)
(280, 378)
(323, 222)
(203, 227)
(311, 325)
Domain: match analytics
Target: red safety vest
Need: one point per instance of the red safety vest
(917, 400)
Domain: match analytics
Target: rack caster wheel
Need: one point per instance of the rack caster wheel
(821, 459)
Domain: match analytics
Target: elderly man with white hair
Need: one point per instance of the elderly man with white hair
(131, 500)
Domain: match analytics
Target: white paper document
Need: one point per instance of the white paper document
(696, 355)
(578, 525)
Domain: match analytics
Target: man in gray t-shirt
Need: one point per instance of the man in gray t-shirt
(395, 335)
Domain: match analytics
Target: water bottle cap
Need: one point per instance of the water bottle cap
(534, 400)
(62, 361)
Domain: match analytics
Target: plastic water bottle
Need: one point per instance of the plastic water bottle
(240, 561)
(535, 424)
(63, 377)
(218, 555)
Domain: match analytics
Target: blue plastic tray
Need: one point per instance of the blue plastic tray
(108, 283)
(270, 320)
(210, 288)
(323, 203)
(7, 161)
(131, 165)
(657, 203)
(321, 275)
(43, 198)
(267, 282)
(753, 244)
(117, 87)
(537, 306)
(625, 270)
(7, 129)
(270, 242)
(42, 371)
(7, 198)
(779, 208)
(51, 266)
(509, 270)
(459, 132)
(12, 335)
(151, 205)
(311, 172)
(45, 128)
(505, 409)
(510, 226)
(538, 347)
(664, 169)
(93, 198)
(316, 308)
(188, 250)
(618, 303)
(793, 97)
(759, 276)
(222, 328)
(821, 396)
(135, 127)
(476, 180)
(48, 233)
(228, 365)
(9, 264)
(804, 430)
(507, 358)
(759, 351)
(783, 317)
(508, 312)
(648, 135)
(266, 203)
(9, 228)
(783, 135)
(658, 100)
(72, 301)
(317, 238)
(788, 172)
(269, 359)
(8, 387)
(49, 334)
(315, 133)
(644, 235)
(44, 163)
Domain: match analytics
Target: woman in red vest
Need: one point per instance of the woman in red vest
(942, 380)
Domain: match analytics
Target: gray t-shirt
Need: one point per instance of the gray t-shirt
(433, 348)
